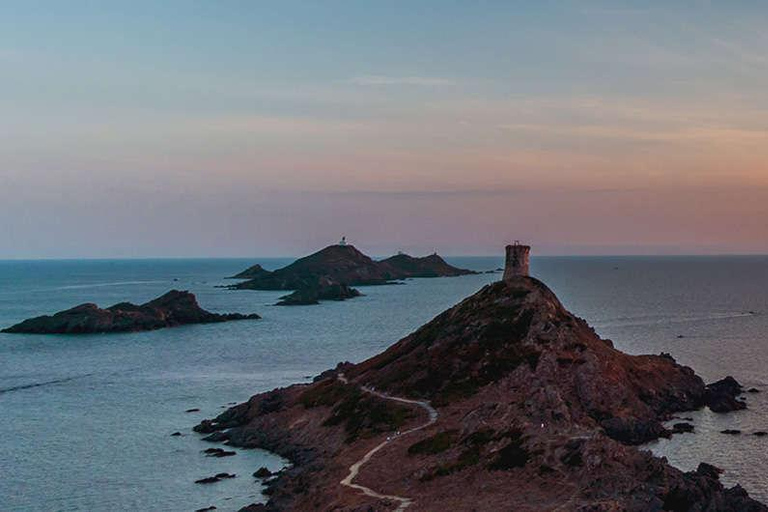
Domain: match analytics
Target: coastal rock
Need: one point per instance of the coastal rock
(262, 472)
(721, 396)
(528, 407)
(172, 309)
(215, 478)
(218, 452)
(207, 480)
(344, 264)
(214, 437)
(681, 428)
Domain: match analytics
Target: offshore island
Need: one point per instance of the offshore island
(172, 309)
(505, 401)
(330, 274)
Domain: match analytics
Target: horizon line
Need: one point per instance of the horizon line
(500, 256)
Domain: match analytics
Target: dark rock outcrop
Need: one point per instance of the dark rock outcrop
(721, 396)
(535, 411)
(216, 478)
(172, 309)
(262, 472)
(218, 452)
(325, 289)
(346, 265)
(682, 428)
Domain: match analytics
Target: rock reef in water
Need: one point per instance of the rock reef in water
(344, 264)
(534, 412)
(172, 309)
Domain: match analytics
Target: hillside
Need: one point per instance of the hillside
(404, 266)
(504, 402)
(346, 265)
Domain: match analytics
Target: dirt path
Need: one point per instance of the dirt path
(354, 469)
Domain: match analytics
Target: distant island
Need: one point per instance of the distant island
(505, 401)
(172, 309)
(325, 289)
(329, 273)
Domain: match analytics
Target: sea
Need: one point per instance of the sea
(87, 419)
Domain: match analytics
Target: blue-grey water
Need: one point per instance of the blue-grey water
(87, 419)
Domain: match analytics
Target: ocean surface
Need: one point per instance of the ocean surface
(87, 419)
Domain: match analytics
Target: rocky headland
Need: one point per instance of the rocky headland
(504, 402)
(346, 265)
(170, 310)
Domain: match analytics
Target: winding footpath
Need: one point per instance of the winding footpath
(354, 469)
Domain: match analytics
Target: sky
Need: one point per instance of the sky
(244, 128)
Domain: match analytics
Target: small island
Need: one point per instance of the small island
(170, 310)
(329, 273)
(506, 399)
(325, 289)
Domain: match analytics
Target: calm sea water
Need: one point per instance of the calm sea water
(87, 419)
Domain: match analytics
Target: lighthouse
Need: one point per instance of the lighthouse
(518, 259)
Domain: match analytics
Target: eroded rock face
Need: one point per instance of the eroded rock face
(536, 412)
(170, 310)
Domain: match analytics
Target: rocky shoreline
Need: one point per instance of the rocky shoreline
(529, 397)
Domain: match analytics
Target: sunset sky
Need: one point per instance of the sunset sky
(243, 128)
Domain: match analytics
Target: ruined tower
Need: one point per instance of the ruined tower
(517, 261)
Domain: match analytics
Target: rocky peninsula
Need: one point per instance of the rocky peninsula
(506, 401)
(172, 309)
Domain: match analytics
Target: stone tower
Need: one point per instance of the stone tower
(518, 257)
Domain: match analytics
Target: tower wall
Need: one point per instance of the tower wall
(518, 261)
